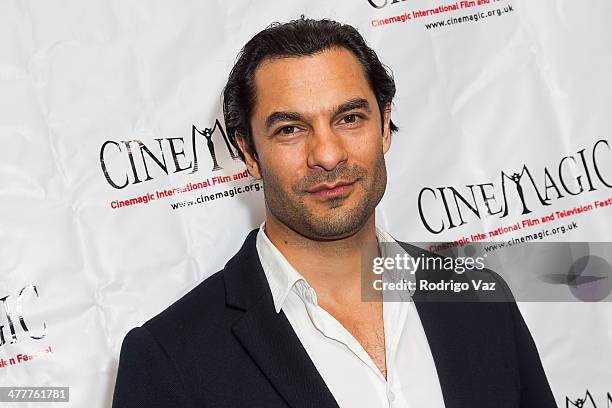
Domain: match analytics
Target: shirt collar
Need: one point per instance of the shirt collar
(282, 277)
(280, 274)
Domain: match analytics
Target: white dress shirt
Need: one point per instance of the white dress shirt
(348, 370)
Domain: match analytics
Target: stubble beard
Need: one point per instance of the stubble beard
(337, 221)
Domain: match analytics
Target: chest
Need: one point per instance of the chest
(365, 323)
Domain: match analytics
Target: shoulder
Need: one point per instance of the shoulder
(202, 310)
(206, 307)
(190, 332)
(169, 345)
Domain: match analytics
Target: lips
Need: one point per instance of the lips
(338, 189)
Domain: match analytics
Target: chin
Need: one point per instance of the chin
(333, 228)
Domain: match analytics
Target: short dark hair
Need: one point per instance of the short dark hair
(301, 37)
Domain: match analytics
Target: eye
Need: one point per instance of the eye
(288, 130)
(351, 118)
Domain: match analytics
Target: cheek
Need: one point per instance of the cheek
(282, 168)
(367, 149)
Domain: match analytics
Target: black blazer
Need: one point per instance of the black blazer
(223, 345)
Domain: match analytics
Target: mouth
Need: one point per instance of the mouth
(335, 190)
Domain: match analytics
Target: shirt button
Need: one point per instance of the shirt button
(391, 396)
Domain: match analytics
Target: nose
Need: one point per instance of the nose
(326, 148)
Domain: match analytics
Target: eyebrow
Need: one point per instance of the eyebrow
(282, 117)
(351, 104)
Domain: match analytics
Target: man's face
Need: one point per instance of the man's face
(320, 148)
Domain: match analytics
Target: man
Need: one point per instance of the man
(284, 324)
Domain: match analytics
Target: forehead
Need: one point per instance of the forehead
(309, 84)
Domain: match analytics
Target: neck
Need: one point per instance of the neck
(331, 267)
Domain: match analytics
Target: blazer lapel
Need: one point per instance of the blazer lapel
(268, 337)
(450, 348)
(273, 345)
(443, 320)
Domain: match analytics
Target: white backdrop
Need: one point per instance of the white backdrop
(521, 88)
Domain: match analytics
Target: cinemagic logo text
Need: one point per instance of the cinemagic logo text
(132, 161)
(12, 317)
(447, 207)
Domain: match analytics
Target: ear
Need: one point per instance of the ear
(250, 157)
(386, 128)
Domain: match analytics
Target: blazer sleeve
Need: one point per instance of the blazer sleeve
(535, 390)
(147, 377)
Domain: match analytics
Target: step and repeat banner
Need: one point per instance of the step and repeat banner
(120, 191)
